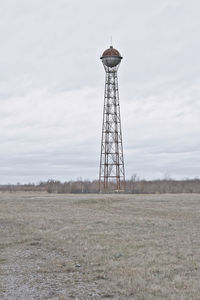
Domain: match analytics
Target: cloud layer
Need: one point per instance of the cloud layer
(52, 86)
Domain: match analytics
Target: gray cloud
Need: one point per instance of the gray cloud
(52, 85)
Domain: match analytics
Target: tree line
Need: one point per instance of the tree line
(133, 186)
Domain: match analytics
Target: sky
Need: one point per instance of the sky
(52, 87)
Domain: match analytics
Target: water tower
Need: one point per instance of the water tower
(111, 172)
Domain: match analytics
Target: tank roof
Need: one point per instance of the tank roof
(111, 52)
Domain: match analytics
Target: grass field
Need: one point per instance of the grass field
(99, 246)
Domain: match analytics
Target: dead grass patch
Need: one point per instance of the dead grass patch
(100, 246)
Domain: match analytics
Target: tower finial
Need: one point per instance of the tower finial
(111, 41)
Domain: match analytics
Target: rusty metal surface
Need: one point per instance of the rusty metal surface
(111, 52)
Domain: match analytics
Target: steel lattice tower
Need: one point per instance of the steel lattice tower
(111, 172)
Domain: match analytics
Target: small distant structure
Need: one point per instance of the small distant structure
(111, 172)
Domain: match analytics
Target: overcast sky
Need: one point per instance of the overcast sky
(52, 87)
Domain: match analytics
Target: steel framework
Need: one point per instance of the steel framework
(111, 172)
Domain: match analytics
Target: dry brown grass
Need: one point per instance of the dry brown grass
(99, 246)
